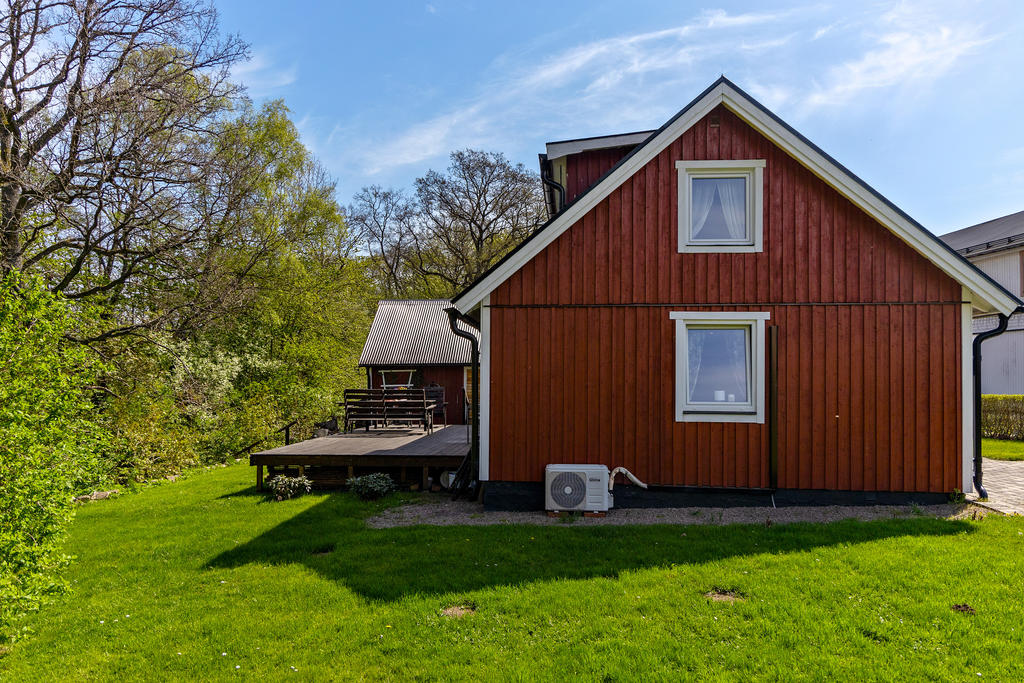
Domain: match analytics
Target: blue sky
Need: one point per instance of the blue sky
(923, 100)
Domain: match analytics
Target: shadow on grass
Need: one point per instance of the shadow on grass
(247, 492)
(387, 564)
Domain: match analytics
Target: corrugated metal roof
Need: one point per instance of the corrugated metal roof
(414, 332)
(994, 235)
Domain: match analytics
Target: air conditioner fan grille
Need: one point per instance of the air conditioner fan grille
(568, 489)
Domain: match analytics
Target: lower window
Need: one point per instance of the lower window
(720, 366)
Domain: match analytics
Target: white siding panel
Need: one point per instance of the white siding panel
(1003, 267)
(1002, 364)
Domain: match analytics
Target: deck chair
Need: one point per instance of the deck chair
(435, 395)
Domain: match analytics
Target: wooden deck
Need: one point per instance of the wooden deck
(338, 455)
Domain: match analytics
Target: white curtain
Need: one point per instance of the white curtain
(702, 196)
(732, 193)
(695, 352)
(738, 363)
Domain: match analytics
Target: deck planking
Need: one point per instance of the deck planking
(446, 447)
(395, 442)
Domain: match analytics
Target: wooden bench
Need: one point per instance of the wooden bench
(409, 405)
(364, 406)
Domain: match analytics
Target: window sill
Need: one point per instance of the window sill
(742, 417)
(720, 249)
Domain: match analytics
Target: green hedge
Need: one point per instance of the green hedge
(1002, 417)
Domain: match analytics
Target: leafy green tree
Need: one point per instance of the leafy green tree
(49, 441)
(267, 330)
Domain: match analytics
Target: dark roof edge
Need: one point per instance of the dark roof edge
(719, 81)
(587, 191)
(412, 366)
(885, 200)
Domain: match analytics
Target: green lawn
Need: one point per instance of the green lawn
(201, 579)
(997, 449)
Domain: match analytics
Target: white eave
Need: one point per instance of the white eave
(556, 150)
(986, 295)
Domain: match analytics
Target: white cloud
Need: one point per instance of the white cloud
(770, 95)
(611, 83)
(635, 81)
(910, 48)
(262, 76)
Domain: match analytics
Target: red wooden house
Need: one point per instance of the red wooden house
(719, 305)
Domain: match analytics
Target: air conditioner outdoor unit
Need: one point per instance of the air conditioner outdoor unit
(576, 487)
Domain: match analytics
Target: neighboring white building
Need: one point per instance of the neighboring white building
(997, 248)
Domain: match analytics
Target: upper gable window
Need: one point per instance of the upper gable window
(720, 205)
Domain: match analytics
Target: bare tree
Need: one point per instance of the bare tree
(383, 218)
(107, 109)
(471, 216)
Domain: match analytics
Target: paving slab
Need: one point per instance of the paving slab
(1004, 481)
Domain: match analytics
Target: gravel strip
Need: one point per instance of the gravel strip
(437, 510)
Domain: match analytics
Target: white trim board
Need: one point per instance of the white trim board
(966, 399)
(985, 294)
(485, 390)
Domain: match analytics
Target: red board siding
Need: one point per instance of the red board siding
(583, 350)
(447, 376)
(586, 168)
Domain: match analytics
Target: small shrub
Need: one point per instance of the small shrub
(371, 486)
(1002, 417)
(283, 487)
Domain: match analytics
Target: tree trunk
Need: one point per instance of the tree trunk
(11, 256)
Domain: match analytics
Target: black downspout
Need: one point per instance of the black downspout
(978, 339)
(465, 476)
(545, 177)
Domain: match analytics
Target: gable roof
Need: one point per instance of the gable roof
(997, 234)
(987, 294)
(408, 332)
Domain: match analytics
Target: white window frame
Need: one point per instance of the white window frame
(752, 411)
(752, 170)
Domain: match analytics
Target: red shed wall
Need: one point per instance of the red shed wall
(583, 350)
(448, 376)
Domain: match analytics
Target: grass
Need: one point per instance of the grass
(202, 579)
(998, 449)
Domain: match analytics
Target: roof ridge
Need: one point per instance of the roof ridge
(792, 142)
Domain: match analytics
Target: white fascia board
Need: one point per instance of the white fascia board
(985, 295)
(557, 150)
(579, 209)
(868, 201)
